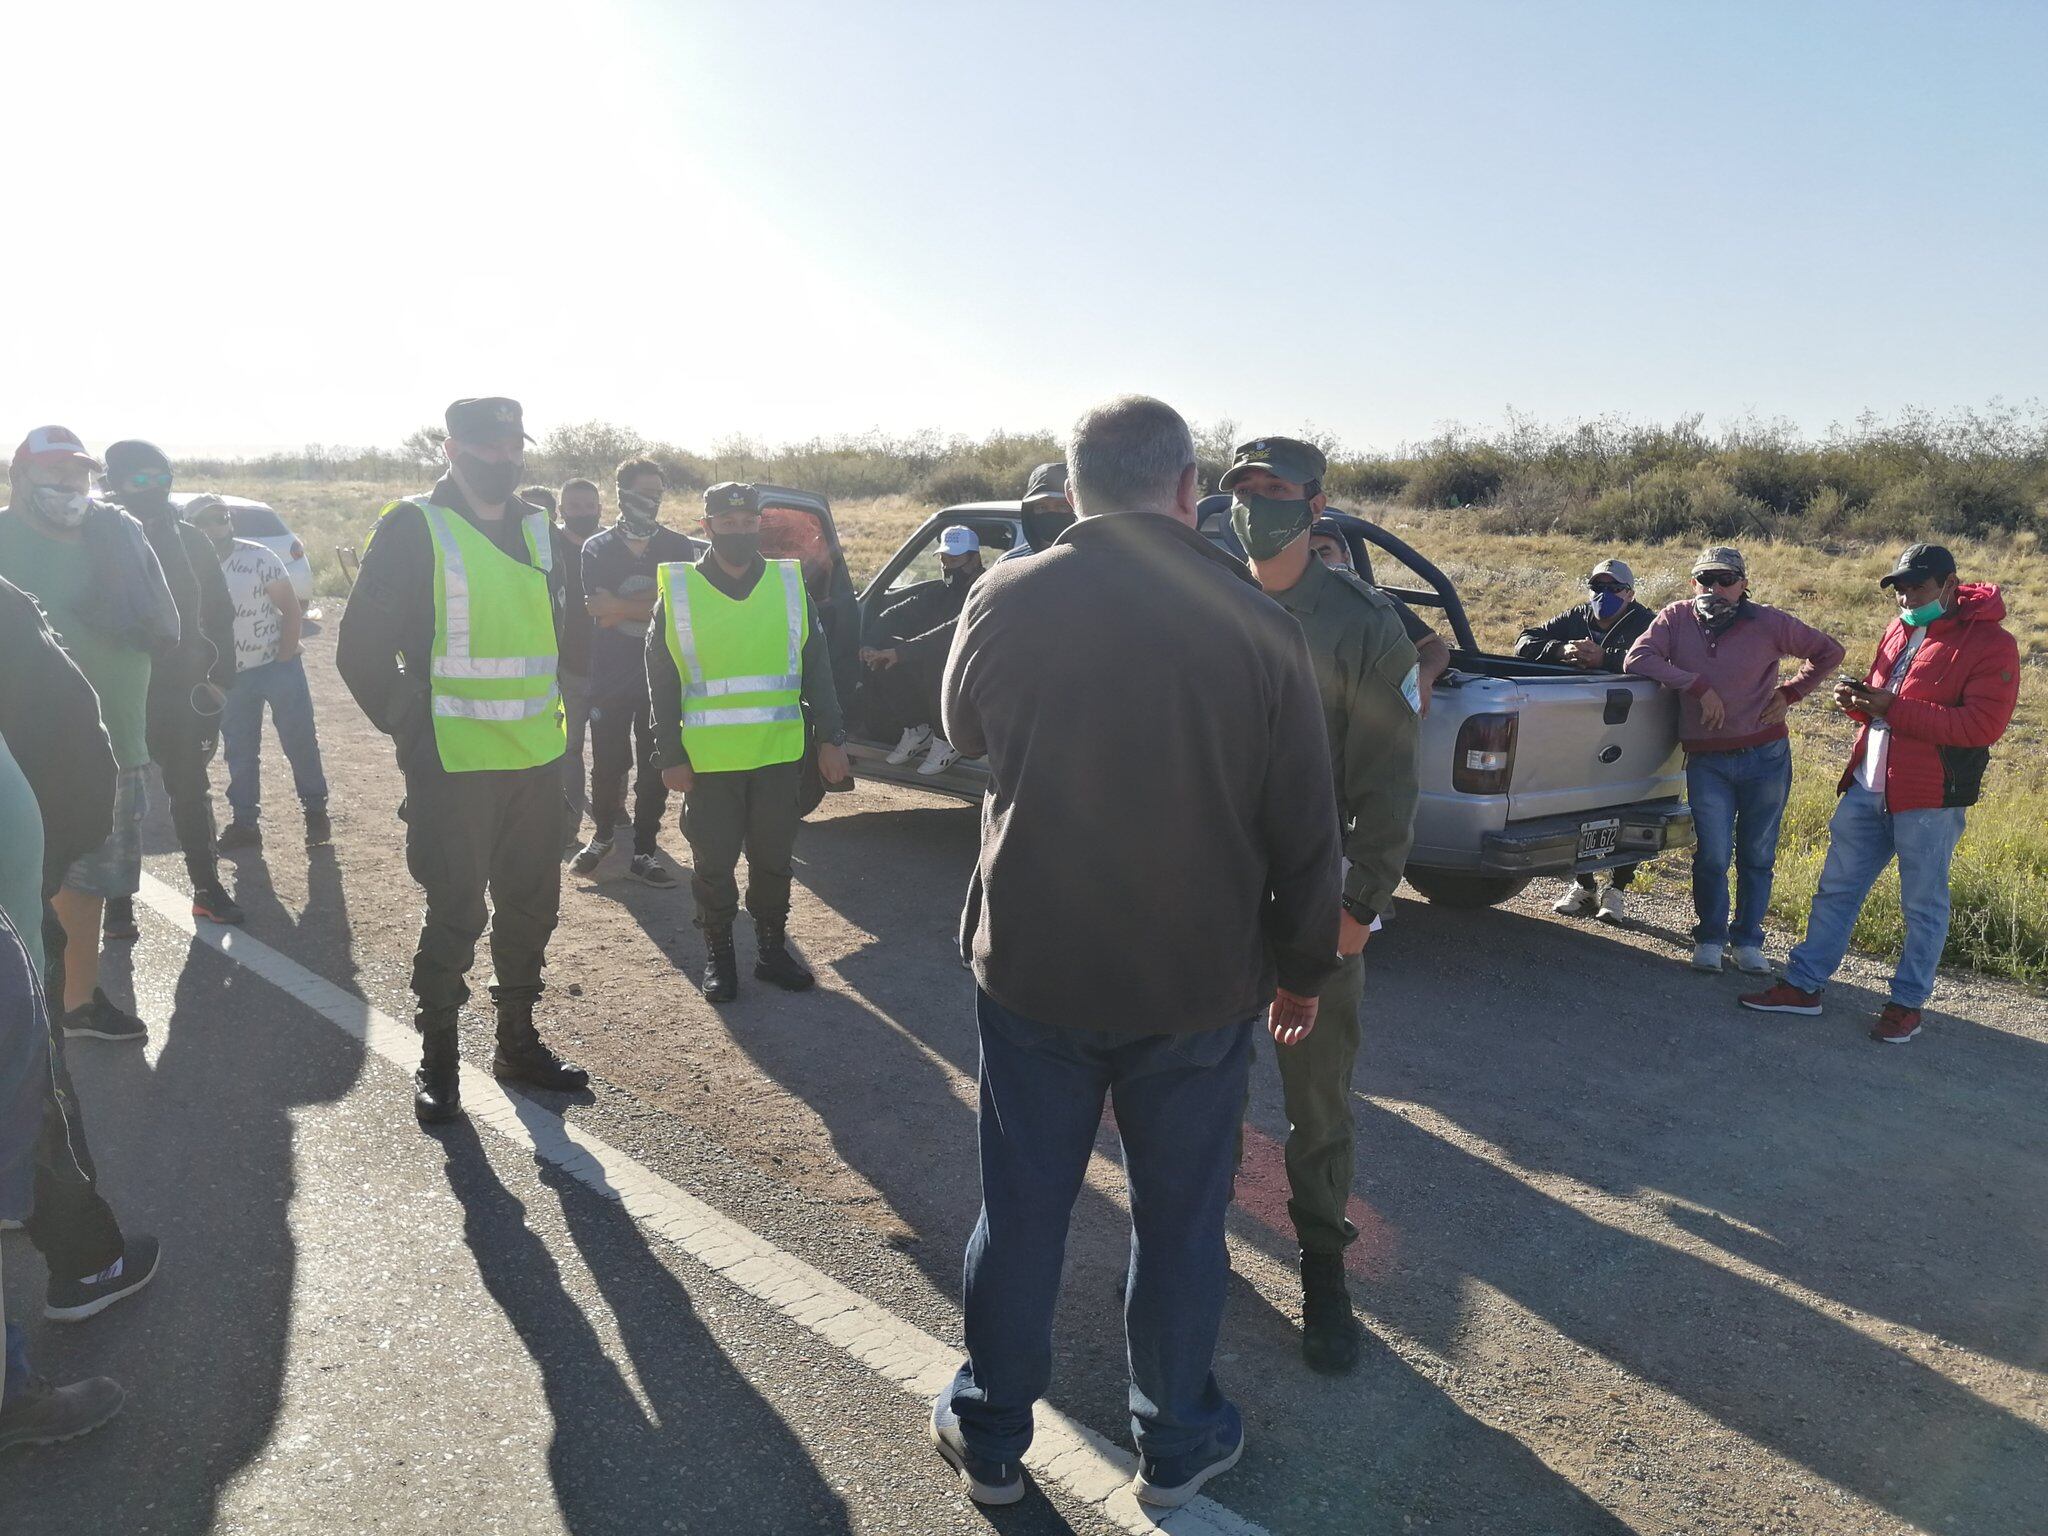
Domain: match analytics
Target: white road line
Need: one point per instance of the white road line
(1065, 1452)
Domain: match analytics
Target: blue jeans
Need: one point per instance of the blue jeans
(1862, 838)
(281, 685)
(1178, 1099)
(1738, 800)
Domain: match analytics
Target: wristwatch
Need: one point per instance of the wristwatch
(1359, 911)
(837, 738)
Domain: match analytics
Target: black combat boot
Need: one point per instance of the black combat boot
(437, 1086)
(721, 966)
(775, 964)
(522, 1057)
(1331, 1336)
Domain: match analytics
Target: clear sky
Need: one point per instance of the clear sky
(240, 224)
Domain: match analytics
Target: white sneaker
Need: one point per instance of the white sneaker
(1751, 959)
(915, 739)
(1613, 906)
(1577, 901)
(942, 756)
(1706, 957)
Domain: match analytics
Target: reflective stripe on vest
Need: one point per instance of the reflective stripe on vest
(764, 722)
(502, 708)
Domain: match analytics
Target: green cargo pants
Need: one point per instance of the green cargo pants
(1315, 1075)
(753, 812)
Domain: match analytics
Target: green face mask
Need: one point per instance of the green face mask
(1926, 613)
(1265, 526)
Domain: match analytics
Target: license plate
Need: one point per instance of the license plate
(1597, 839)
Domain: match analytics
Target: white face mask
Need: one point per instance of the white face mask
(59, 507)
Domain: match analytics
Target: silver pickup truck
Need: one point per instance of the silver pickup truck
(1528, 768)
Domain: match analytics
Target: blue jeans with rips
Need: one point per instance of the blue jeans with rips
(1863, 837)
(1738, 800)
(1178, 1100)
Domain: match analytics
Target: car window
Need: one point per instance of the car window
(790, 533)
(998, 536)
(257, 523)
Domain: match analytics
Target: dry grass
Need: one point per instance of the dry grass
(1508, 581)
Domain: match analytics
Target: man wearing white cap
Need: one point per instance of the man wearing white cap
(906, 653)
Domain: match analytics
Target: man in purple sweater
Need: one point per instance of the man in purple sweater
(1721, 651)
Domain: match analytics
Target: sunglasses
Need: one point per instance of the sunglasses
(149, 480)
(1604, 586)
(1718, 579)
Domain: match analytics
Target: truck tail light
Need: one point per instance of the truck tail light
(298, 550)
(1484, 760)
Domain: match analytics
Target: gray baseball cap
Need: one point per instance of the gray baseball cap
(1720, 557)
(1619, 570)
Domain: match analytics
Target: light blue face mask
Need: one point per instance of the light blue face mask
(1926, 613)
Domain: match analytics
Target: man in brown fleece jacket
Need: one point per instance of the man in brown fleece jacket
(1159, 864)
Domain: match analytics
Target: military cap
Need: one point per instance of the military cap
(1289, 458)
(485, 420)
(730, 496)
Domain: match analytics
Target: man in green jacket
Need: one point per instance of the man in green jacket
(1367, 674)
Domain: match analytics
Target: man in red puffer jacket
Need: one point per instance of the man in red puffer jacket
(1940, 692)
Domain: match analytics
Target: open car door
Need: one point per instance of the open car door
(797, 525)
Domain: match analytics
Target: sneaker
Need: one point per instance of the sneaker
(319, 827)
(246, 834)
(1751, 960)
(1577, 901)
(40, 1414)
(9, 1224)
(73, 1301)
(593, 854)
(100, 1019)
(1896, 1025)
(649, 870)
(1613, 905)
(915, 739)
(943, 755)
(1152, 1486)
(117, 919)
(1783, 998)
(986, 1482)
(212, 902)
(1706, 957)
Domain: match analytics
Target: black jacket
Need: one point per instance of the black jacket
(385, 646)
(1549, 642)
(919, 619)
(665, 685)
(1159, 843)
(50, 718)
(206, 613)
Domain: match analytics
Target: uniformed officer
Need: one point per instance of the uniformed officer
(1366, 671)
(450, 643)
(735, 657)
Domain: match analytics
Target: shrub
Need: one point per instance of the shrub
(955, 483)
(1958, 498)
(1365, 480)
(1456, 474)
(1671, 502)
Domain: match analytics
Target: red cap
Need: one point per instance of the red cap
(52, 445)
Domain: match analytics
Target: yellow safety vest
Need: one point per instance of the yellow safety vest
(741, 663)
(495, 699)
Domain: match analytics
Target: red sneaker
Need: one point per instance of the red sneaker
(1896, 1025)
(1782, 998)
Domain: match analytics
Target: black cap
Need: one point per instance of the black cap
(485, 420)
(730, 496)
(131, 454)
(1917, 563)
(1048, 482)
(1289, 458)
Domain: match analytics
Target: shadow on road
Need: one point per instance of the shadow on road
(703, 1444)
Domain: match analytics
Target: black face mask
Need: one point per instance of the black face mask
(581, 528)
(740, 549)
(492, 484)
(963, 575)
(1043, 524)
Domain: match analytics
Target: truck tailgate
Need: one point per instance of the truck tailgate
(1584, 743)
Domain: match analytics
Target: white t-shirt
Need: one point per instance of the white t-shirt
(1877, 743)
(249, 569)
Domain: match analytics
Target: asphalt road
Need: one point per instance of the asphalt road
(1637, 1261)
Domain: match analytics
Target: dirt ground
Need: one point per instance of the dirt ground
(1639, 1261)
